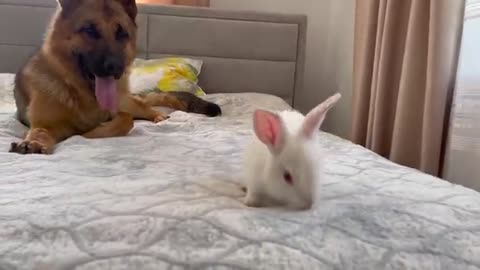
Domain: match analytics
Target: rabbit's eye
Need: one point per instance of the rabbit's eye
(288, 177)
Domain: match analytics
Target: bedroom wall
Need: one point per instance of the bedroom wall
(329, 59)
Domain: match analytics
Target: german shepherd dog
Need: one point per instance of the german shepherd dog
(77, 83)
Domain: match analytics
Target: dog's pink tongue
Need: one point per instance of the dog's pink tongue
(106, 93)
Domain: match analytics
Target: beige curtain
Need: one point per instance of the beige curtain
(404, 71)
(201, 3)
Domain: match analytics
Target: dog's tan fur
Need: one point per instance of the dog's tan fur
(56, 102)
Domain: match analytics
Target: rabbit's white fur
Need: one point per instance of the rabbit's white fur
(297, 154)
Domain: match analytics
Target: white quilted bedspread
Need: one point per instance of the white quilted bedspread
(167, 197)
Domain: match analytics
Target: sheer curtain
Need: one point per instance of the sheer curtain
(462, 163)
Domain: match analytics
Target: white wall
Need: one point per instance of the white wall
(329, 59)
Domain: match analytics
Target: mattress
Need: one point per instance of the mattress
(168, 197)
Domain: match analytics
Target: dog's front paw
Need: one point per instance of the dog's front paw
(30, 147)
(160, 117)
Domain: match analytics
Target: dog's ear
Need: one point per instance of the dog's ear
(130, 7)
(68, 6)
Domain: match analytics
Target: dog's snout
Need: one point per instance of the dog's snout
(112, 66)
(107, 66)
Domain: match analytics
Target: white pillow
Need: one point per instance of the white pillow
(7, 101)
(166, 74)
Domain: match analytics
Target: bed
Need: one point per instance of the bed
(168, 195)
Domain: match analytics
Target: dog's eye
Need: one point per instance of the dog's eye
(287, 176)
(121, 34)
(91, 31)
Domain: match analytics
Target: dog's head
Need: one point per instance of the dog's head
(96, 38)
(99, 35)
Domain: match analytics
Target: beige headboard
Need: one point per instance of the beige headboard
(242, 51)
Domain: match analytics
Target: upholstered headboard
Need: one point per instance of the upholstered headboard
(242, 51)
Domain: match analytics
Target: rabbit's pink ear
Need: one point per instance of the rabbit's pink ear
(269, 129)
(316, 116)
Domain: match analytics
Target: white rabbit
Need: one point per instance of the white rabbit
(283, 163)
